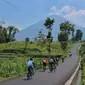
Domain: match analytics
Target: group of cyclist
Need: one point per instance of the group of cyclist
(52, 62)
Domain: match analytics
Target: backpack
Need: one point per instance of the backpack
(51, 60)
(44, 61)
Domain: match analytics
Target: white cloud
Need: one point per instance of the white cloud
(54, 8)
(54, 11)
(70, 13)
(75, 13)
(67, 11)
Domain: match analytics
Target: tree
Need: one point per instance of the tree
(41, 37)
(2, 37)
(26, 42)
(79, 35)
(63, 39)
(11, 30)
(7, 34)
(67, 27)
(48, 24)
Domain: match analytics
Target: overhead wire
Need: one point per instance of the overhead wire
(16, 7)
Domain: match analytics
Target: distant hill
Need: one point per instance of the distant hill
(33, 30)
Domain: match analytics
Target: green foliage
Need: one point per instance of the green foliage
(79, 35)
(12, 67)
(67, 27)
(7, 34)
(82, 54)
(16, 66)
(48, 23)
(63, 36)
(64, 45)
(63, 39)
(26, 42)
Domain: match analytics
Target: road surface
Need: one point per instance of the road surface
(62, 74)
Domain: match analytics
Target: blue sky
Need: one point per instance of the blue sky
(35, 10)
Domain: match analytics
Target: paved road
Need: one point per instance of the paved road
(62, 74)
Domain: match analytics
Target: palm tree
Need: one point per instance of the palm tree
(11, 31)
(48, 24)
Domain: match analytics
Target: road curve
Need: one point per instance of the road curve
(62, 74)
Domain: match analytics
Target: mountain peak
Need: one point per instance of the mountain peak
(32, 31)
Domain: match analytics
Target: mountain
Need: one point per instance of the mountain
(33, 30)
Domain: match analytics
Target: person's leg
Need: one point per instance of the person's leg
(51, 66)
(28, 75)
(44, 66)
(31, 71)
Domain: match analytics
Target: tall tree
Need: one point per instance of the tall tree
(67, 27)
(63, 39)
(2, 37)
(7, 34)
(79, 35)
(41, 37)
(11, 31)
(48, 24)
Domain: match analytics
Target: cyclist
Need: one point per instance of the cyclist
(62, 58)
(70, 54)
(51, 63)
(31, 66)
(54, 63)
(57, 60)
(44, 61)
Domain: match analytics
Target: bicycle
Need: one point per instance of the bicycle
(30, 74)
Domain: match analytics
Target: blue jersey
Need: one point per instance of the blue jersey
(30, 63)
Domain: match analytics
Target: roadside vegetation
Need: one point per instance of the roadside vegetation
(82, 54)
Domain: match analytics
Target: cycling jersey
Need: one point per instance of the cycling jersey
(30, 63)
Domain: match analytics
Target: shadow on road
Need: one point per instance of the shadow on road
(25, 79)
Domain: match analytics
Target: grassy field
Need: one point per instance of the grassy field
(13, 58)
(32, 48)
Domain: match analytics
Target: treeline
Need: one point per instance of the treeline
(67, 29)
(8, 34)
(67, 33)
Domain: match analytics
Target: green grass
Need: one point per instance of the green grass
(32, 49)
(15, 67)
(14, 64)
